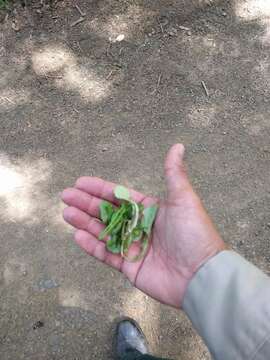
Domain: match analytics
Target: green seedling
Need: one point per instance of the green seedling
(106, 212)
(149, 215)
(121, 193)
(126, 224)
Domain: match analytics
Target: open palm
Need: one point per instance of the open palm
(183, 236)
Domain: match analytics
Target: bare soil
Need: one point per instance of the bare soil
(107, 96)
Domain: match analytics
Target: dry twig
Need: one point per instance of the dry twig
(81, 19)
(108, 53)
(82, 13)
(205, 88)
(110, 74)
(158, 83)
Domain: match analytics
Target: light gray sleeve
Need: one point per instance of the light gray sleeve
(228, 302)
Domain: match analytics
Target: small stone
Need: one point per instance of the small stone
(183, 28)
(37, 325)
(172, 32)
(189, 33)
(268, 225)
(24, 273)
(47, 284)
(104, 149)
(224, 13)
(15, 26)
(120, 38)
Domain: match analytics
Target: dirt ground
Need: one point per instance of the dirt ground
(107, 96)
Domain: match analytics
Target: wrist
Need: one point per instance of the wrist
(209, 254)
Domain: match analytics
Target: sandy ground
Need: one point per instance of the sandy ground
(107, 97)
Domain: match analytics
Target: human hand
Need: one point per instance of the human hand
(183, 236)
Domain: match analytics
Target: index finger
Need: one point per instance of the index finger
(103, 189)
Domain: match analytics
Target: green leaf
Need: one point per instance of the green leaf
(136, 234)
(106, 212)
(3, 4)
(114, 244)
(129, 209)
(149, 215)
(141, 207)
(128, 223)
(117, 217)
(121, 193)
(117, 229)
(135, 216)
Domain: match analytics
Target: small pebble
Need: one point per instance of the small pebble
(37, 325)
(47, 284)
(15, 26)
(120, 38)
(172, 32)
(183, 27)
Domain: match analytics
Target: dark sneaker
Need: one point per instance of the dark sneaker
(129, 338)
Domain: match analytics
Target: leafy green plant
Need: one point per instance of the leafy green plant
(128, 223)
(3, 3)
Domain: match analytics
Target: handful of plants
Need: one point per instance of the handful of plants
(128, 223)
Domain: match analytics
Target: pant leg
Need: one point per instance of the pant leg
(136, 355)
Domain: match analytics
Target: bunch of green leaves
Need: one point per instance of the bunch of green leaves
(3, 3)
(130, 222)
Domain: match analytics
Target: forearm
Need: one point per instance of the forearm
(228, 302)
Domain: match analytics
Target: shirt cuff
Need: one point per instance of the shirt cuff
(228, 302)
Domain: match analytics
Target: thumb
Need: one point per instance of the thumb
(176, 177)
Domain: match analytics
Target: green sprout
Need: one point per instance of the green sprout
(130, 222)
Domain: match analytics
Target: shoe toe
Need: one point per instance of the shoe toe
(130, 337)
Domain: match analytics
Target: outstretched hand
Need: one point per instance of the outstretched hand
(183, 236)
